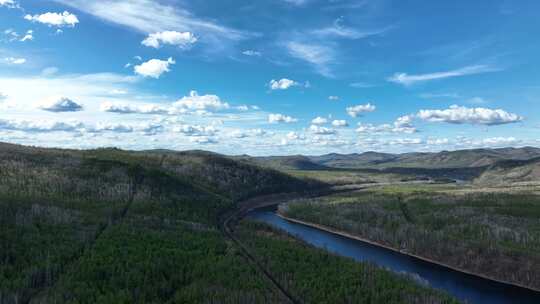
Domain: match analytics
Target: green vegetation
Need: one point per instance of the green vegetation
(112, 226)
(494, 234)
(316, 276)
(125, 227)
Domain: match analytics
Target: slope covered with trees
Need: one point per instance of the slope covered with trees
(116, 226)
(113, 226)
(492, 234)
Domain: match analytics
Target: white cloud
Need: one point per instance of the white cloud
(196, 130)
(280, 118)
(340, 123)
(9, 3)
(340, 31)
(361, 85)
(181, 39)
(333, 98)
(198, 102)
(296, 2)
(355, 111)
(3, 96)
(321, 56)
(293, 136)
(282, 84)
(477, 100)
(203, 140)
(49, 71)
(319, 121)
(118, 92)
(154, 68)
(463, 115)
(406, 79)
(438, 141)
(55, 19)
(252, 53)
(149, 16)
(321, 130)
(111, 127)
(402, 125)
(40, 125)
(59, 104)
(406, 141)
(500, 141)
(14, 60)
(28, 36)
(132, 109)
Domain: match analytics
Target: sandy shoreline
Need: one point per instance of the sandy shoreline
(355, 237)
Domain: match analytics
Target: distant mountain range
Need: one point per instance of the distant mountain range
(473, 158)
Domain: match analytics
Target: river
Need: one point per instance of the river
(465, 287)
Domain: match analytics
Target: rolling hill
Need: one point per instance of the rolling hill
(510, 172)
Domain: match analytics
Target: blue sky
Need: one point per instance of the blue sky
(274, 77)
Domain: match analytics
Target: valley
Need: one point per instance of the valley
(116, 226)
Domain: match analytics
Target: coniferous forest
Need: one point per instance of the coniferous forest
(113, 226)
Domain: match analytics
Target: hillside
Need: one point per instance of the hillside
(444, 159)
(511, 171)
(117, 226)
(293, 162)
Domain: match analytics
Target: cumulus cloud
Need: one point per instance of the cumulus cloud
(154, 68)
(293, 136)
(340, 123)
(183, 40)
(252, 53)
(402, 125)
(54, 19)
(500, 141)
(198, 102)
(406, 79)
(282, 84)
(203, 140)
(355, 111)
(112, 127)
(59, 104)
(194, 103)
(40, 126)
(463, 115)
(321, 130)
(196, 130)
(280, 118)
(14, 60)
(319, 121)
(406, 141)
(132, 109)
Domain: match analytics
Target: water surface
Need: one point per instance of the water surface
(468, 288)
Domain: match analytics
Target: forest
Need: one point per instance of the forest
(487, 232)
(114, 226)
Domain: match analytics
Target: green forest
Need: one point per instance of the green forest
(113, 226)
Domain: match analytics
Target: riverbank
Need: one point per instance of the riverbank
(361, 239)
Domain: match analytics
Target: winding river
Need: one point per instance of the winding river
(468, 288)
